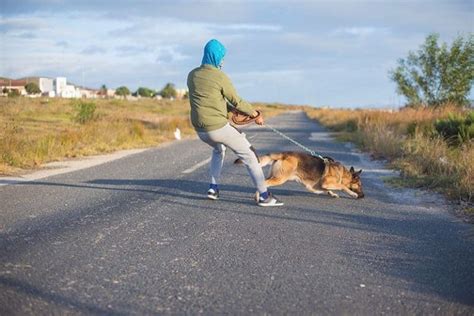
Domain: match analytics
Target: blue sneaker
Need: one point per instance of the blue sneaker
(271, 200)
(213, 194)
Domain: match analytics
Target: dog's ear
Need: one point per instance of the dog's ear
(359, 172)
(352, 170)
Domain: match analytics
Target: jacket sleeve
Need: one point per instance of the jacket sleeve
(228, 91)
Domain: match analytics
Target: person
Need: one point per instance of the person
(209, 91)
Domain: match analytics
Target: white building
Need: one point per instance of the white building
(64, 90)
(180, 93)
(88, 93)
(60, 84)
(46, 85)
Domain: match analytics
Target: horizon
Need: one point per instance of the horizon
(335, 54)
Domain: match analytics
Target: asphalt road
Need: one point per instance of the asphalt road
(138, 236)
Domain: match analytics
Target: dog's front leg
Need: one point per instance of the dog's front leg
(328, 186)
(312, 189)
(332, 194)
(348, 191)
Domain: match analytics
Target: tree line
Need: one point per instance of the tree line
(167, 92)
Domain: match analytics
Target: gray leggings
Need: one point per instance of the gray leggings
(229, 136)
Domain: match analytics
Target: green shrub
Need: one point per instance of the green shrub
(456, 129)
(84, 111)
(351, 125)
(13, 93)
(424, 128)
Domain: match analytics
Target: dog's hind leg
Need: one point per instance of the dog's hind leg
(274, 181)
(271, 182)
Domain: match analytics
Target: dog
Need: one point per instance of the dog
(317, 175)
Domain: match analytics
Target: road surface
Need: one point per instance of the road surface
(137, 236)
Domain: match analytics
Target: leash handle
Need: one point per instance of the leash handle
(239, 118)
(312, 152)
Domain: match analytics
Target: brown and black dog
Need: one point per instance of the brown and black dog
(317, 175)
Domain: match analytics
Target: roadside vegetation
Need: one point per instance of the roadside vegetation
(430, 146)
(40, 130)
(431, 139)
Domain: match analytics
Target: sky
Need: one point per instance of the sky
(320, 53)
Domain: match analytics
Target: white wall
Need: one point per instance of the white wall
(46, 84)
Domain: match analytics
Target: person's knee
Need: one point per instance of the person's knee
(249, 154)
(219, 150)
(249, 159)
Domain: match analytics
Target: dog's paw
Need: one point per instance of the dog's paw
(354, 195)
(332, 194)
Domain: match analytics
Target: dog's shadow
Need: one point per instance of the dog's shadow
(161, 185)
(194, 188)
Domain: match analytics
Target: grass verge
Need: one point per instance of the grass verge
(36, 131)
(407, 139)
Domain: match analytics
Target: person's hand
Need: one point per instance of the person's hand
(259, 120)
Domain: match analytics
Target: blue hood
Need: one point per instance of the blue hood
(214, 52)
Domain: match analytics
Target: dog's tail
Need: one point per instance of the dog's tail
(264, 160)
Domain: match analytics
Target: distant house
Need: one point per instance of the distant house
(88, 93)
(108, 93)
(65, 90)
(13, 84)
(180, 93)
(46, 85)
(57, 87)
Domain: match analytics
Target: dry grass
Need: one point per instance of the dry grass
(35, 131)
(405, 138)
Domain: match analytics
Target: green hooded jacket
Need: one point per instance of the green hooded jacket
(209, 91)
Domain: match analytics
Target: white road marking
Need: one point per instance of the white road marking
(197, 166)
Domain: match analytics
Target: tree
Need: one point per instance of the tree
(14, 93)
(168, 91)
(145, 92)
(436, 74)
(32, 88)
(122, 91)
(103, 90)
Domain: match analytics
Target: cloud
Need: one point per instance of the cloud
(93, 49)
(248, 27)
(27, 35)
(15, 24)
(359, 31)
(62, 44)
(131, 50)
(313, 52)
(170, 54)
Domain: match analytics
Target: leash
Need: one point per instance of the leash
(240, 118)
(312, 152)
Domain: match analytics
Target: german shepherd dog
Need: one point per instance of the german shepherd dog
(317, 175)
